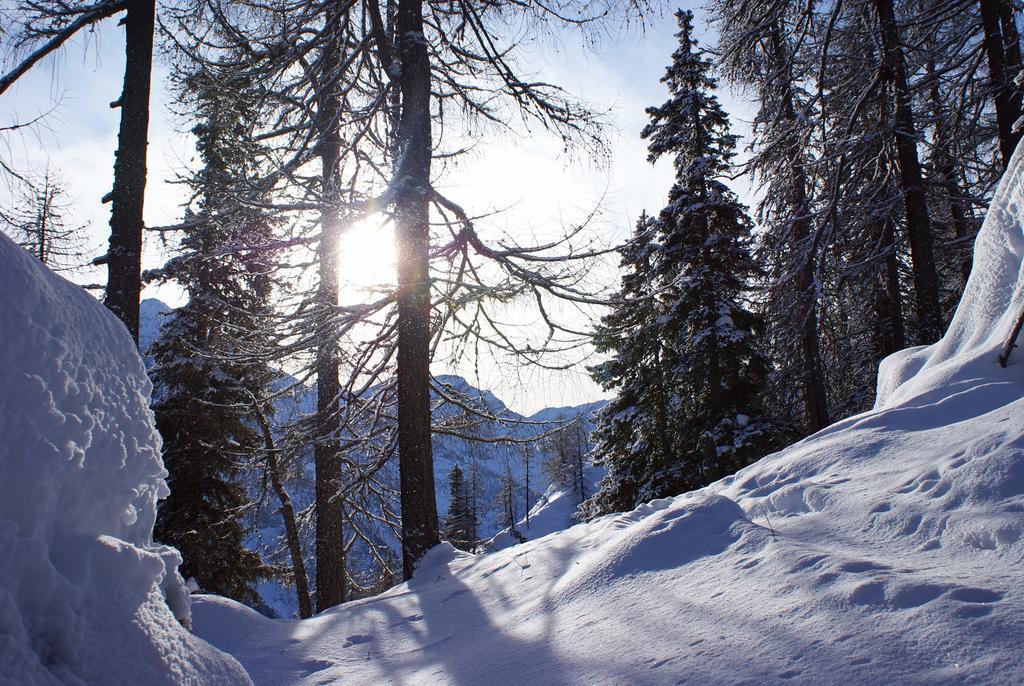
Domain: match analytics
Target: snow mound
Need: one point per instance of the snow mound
(85, 595)
(992, 299)
(887, 548)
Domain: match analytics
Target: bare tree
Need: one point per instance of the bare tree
(40, 224)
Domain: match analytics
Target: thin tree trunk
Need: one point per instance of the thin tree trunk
(419, 505)
(999, 80)
(1014, 64)
(44, 218)
(124, 257)
(287, 510)
(812, 374)
(943, 163)
(330, 545)
(919, 230)
(526, 486)
(892, 309)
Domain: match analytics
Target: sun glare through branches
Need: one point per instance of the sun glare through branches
(367, 259)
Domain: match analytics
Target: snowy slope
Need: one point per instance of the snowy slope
(888, 548)
(555, 511)
(82, 586)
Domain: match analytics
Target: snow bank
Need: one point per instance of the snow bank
(82, 586)
(992, 299)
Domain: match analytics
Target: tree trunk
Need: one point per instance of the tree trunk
(1014, 62)
(919, 230)
(526, 486)
(287, 510)
(44, 218)
(812, 374)
(330, 542)
(124, 257)
(1000, 80)
(890, 312)
(945, 171)
(412, 213)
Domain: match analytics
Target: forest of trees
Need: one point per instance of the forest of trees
(880, 130)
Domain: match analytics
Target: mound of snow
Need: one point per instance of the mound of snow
(85, 595)
(887, 548)
(992, 299)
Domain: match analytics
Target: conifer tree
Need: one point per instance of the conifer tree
(693, 334)
(460, 526)
(205, 376)
(634, 429)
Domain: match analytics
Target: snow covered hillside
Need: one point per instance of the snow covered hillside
(85, 595)
(888, 548)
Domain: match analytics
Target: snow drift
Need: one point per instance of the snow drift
(85, 595)
(993, 297)
(887, 548)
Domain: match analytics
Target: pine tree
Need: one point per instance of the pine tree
(460, 526)
(701, 417)
(205, 379)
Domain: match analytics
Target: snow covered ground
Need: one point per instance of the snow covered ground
(85, 595)
(888, 548)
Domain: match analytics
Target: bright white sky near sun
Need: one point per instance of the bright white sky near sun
(527, 173)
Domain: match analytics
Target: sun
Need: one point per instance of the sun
(366, 257)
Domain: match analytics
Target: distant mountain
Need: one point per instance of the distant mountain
(152, 315)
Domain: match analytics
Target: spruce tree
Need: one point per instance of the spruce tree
(686, 363)
(634, 429)
(206, 379)
(460, 526)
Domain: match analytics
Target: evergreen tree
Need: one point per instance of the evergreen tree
(696, 414)
(205, 376)
(507, 502)
(460, 525)
(634, 429)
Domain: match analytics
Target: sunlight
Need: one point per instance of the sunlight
(367, 256)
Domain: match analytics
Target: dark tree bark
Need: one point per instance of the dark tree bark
(412, 210)
(124, 258)
(287, 510)
(1014, 61)
(812, 382)
(892, 336)
(919, 230)
(944, 166)
(1000, 80)
(330, 542)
